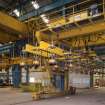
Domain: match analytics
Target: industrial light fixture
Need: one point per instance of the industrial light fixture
(35, 4)
(52, 46)
(52, 61)
(84, 51)
(22, 55)
(10, 42)
(71, 65)
(44, 18)
(1, 44)
(56, 66)
(36, 63)
(22, 63)
(69, 53)
(17, 13)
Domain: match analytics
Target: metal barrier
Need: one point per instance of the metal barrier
(70, 14)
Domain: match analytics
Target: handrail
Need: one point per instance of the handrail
(72, 13)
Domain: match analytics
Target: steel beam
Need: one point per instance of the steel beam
(40, 36)
(43, 49)
(80, 43)
(49, 7)
(85, 30)
(12, 25)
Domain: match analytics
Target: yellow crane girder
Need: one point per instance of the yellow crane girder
(43, 50)
(76, 32)
(85, 30)
(61, 21)
(11, 29)
(12, 25)
(96, 40)
(17, 60)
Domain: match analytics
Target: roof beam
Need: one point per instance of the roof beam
(49, 7)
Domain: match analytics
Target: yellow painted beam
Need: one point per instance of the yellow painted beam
(40, 36)
(43, 50)
(83, 31)
(61, 21)
(12, 25)
(17, 60)
(70, 33)
(80, 43)
(35, 50)
(46, 46)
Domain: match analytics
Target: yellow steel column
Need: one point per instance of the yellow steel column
(38, 36)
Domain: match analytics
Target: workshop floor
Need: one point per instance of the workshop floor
(84, 97)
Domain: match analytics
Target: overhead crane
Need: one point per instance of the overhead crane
(11, 29)
(19, 29)
(41, 50)
(90, 27)
(16, 28)
(11, 24)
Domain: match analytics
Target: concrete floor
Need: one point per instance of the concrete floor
(83, 97)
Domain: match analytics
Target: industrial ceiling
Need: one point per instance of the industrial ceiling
(24, 6)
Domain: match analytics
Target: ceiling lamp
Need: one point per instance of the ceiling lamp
(70, 52)
(1, 44)
(52, 62)
(36, 63)
(22, 63)
(52, 46)
(84, 51)
(71, 65)
(35, 4)
(56, 66)
(44, 18)
(17, 13)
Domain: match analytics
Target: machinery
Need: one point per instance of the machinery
(65, 44)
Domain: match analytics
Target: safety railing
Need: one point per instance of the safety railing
(78, 12)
